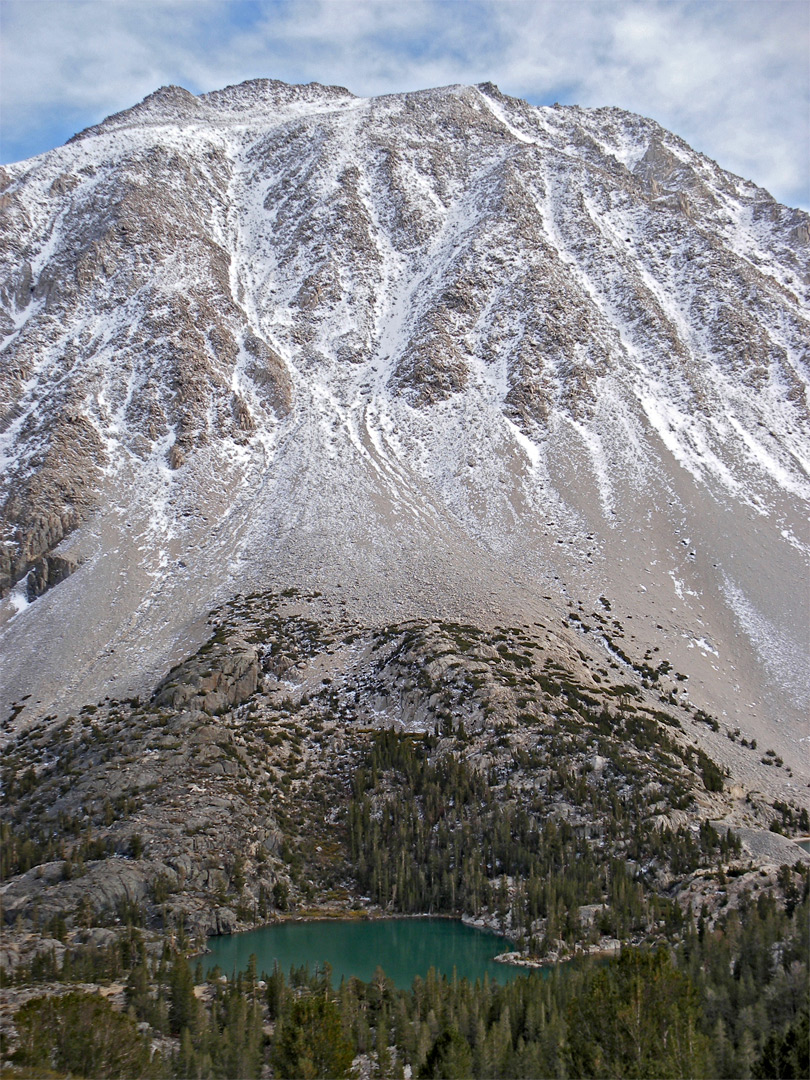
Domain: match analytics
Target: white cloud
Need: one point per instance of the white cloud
(731, 78)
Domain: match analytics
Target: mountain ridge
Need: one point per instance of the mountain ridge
(440, 350)
(403, 510)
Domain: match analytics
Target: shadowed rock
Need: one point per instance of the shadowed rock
(217, 678)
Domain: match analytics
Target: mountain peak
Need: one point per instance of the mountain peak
(272, 93)
(174, 105)
(166, 104)
(441, 349)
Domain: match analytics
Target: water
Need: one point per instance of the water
(404, 948)
(804, 844)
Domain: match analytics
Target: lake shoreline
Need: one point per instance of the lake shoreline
(535, 963)
(352, 915)
(404, 946)
(605, 949)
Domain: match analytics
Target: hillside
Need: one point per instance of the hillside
(403, 508)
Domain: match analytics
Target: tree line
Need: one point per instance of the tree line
(726, 1003)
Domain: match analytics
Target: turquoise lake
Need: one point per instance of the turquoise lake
(404, 948)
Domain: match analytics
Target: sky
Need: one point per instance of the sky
(731, 77)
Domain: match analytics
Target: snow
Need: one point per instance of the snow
(789, 662)
(18, 597)
(703, 645)
(639, 423)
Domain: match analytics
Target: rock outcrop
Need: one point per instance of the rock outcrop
(219, 677)
(47, 572)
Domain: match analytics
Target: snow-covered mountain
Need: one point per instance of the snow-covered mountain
(436, 353)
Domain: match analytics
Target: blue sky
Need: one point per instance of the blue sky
(730, 77)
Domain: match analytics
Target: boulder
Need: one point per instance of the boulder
(226, 920)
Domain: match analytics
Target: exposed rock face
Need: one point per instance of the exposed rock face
(55, 490)
(47, 572)
(214, 680)
(438, 350)
(105, 885)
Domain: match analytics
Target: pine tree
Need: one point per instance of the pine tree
(311, 1042)
(182, 1003)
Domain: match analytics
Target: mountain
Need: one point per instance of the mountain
(437, 353)
(403, 509)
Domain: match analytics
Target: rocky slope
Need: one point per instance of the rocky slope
(236, 792)
(440, 354)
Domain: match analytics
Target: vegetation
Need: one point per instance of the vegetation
(81, 1034)
(727, 1004)
(549, 804)
(730, 1003)
(430, 831)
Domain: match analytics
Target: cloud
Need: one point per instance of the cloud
(730, 78)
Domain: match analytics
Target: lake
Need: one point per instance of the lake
(804, 844)
(403, 947)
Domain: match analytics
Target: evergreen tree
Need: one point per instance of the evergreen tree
(639, 1018)
(449, 1058)
(787, 1054)
(311, 1043)
(81, 1034)
(182, 1003)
